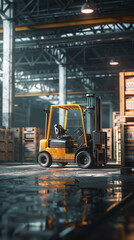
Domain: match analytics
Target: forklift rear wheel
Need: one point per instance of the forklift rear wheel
(62, 164)
(83, 159)
(45, 159)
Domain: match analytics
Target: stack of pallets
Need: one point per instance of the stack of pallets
(6, 145)
(3, 145)
(109, 141)
(10, 145)
(30, 143)
(127, 118)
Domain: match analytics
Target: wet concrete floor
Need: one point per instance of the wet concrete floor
(59, 203)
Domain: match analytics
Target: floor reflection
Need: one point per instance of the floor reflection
(67, 204)
(42, 207)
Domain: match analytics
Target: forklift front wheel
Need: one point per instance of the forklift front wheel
(45, 159)
(83, 159)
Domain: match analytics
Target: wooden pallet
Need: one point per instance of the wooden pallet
(3, 146)
(32, 133)
(3, 156)
(2, 134)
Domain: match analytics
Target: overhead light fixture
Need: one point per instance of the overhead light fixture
(86, 8)
(113, 62)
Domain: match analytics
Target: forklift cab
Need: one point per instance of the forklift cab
(64, 145)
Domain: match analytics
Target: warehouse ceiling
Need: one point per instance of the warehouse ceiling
(38, 11)
(47, 31)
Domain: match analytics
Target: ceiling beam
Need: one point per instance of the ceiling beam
(120, 18)
(57, 93)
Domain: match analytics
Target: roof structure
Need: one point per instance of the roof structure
(46, 31)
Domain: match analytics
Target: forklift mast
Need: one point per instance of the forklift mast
(99, 138)
(94, 110)
(46, 121)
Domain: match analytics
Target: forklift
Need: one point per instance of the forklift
(86, 145)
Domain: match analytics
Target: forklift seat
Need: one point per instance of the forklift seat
(59, 130)
(61, 133)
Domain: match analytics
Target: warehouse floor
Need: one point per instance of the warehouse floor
(65, 203)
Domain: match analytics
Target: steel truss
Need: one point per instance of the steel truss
(51, 10)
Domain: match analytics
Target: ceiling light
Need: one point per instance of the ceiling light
(86, 8)
(113, 62)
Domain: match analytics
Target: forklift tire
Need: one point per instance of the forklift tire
(62, 164)
(45, 159)
(83, 159)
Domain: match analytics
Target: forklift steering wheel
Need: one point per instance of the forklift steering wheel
(78, 131)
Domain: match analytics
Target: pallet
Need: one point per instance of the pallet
(32, 133)
(3, 146)
(9, 135)
(2, 134)
(6, 145)
(30, 156)
(3, 156)
(10, 156)
(10, 146)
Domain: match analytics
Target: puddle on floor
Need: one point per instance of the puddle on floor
(44, 206)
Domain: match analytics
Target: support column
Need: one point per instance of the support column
(8, 66)
(28, 113)
(62, 90)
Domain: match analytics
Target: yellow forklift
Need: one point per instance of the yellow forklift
(86, 145)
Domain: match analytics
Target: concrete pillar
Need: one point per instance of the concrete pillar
(8, 67)
(28, 113)
(62, 90)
